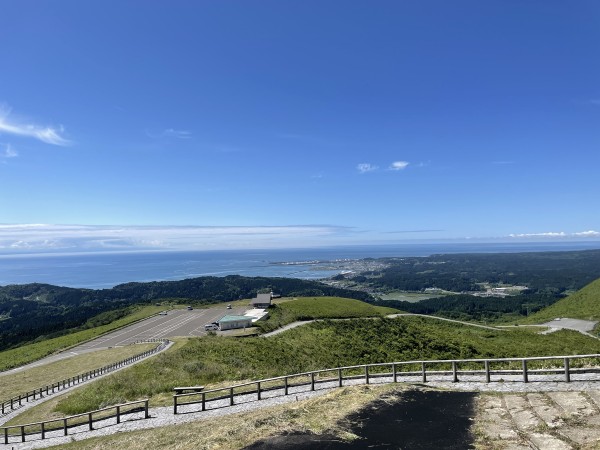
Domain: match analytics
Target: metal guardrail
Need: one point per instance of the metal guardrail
(63, 424)
(17, 401)
(396, 370)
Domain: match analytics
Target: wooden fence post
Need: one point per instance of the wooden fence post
(91, 421)
(423, 370)
(285, 386)
(258, 389)
(43, 431)
(454, 372)
(394, 373)
(340, 377)
(203, 401)
(147, 412)
(486, 364)
(366, 374)
(567, 371)
(525, 377)
(312, 381)
(230, 396)
(65, 428)
(119, 412)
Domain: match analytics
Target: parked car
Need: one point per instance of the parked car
(189, 308)
(163, 313)
(228, 306)
(211, 327)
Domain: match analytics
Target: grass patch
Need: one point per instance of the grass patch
(32, 352)
(324, 414)
(308, 308)
(583, 304)
(325, 344)
(36, 377)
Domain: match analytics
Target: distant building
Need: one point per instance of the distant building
(262, 301)
(233, 322)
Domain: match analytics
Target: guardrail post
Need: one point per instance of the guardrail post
(65, 428)
(147, 412)
(91, 422)
(394, 373)
(366, 374)
(22, 433)
(454, 372)
(203, 401)
(312, 381)
(43, 431)
(230, 396)
(258, 389)
(340, 377)
(285, 386)
(567, 372)
(525, 378)
(486, 363)
(424, 373)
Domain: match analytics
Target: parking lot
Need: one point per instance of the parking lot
(177, 322)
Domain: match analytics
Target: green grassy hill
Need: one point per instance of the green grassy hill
(308, 308)
(213, 360)
(583, 304)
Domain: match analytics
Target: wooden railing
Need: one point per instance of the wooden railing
(63, 424)
(425, 370)
(17, 401)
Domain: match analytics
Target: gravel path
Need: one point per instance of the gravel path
(164, 416)
(33, 403)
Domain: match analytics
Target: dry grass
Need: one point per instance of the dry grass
(27, 380)
(317, 415)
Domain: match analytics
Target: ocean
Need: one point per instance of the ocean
(105, 270)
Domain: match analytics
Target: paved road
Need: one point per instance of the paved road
(571, 324)
(178, 322)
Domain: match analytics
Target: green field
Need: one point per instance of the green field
(32, 352)
(216, 360)
(583, 304)
(308, 308)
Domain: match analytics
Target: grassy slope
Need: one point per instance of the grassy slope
(583, 304)
(213, 360)
(308, 308)
(325, 414)
(27, 380)
(32, 352)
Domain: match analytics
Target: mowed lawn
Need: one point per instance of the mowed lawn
(308, 308)
(12, 384)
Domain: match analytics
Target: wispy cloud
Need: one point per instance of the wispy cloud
(399, 165)
(411, 231)
(9, 151)
(170, 133)
(41, 238)
(47, 134)
(557, 234)
(366, 167)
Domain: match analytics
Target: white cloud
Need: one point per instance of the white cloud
(9, 151)
(366, 167)
(589, 233)
(559, 234)
(399, 165)
(36, 238)
(546, 234)
(170, 133)
(47, 134)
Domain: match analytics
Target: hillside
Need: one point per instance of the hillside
(30, 311)
(583, 304)
(213, 359)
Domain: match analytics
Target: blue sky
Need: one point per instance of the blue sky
(233, 124)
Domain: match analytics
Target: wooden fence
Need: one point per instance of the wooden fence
(424, 370)
(63, 424)
(17, 401)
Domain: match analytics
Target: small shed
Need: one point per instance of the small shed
(262, 301)
(233, 322)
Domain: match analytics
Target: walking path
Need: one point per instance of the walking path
(163, 416)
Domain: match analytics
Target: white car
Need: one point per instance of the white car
(211, 327)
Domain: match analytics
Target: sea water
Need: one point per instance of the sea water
(105, 270)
